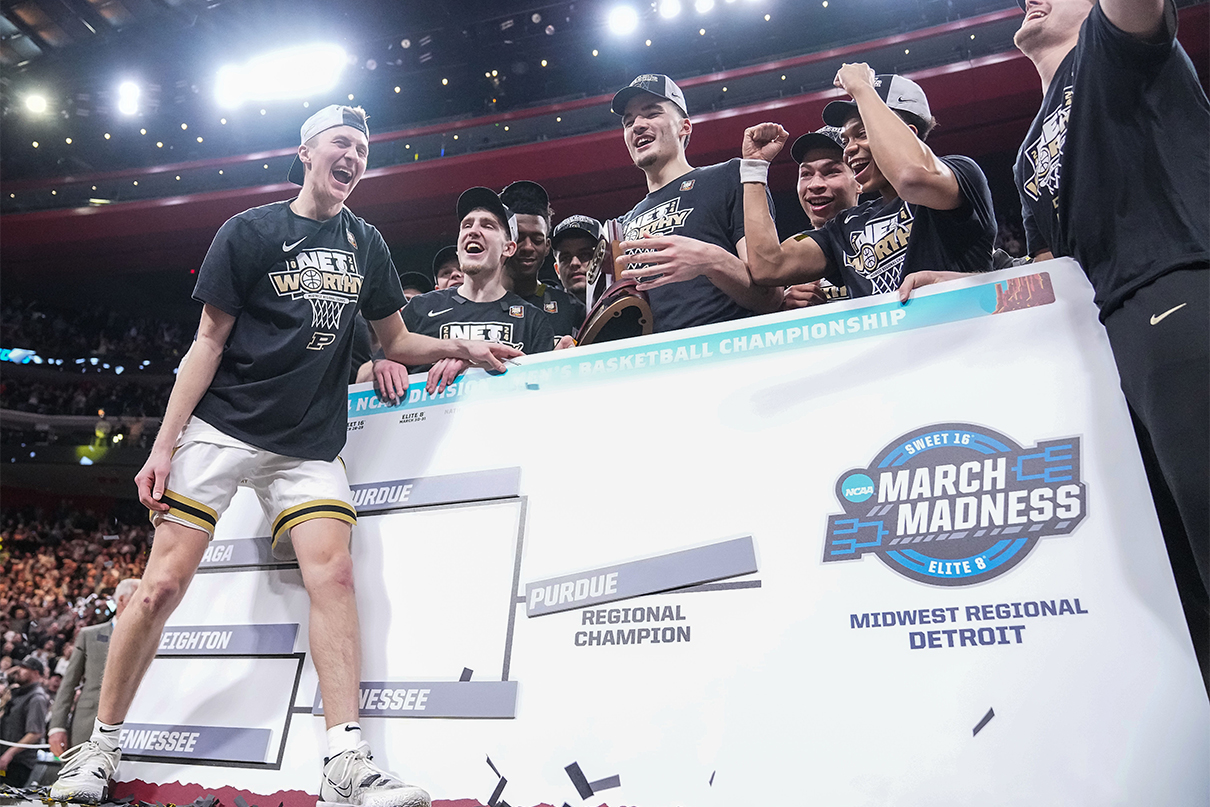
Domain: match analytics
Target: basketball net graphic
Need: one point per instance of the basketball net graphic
(325, 311)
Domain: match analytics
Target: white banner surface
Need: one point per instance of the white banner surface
(859, 554)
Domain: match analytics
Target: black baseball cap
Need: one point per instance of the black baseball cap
(899, 93)
(576, 225)
(327, 118)
(416, 280)
(32, 663)
(444, 256)
(656, 84)
(827, 137)
(486, 198)
(523, 188)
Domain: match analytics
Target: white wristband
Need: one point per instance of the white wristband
(754, 171)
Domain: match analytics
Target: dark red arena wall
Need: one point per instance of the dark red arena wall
(984, 107)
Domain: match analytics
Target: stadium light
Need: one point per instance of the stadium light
(297, 72)
(36, 103)
(623, 20)
(703, 6)
(670, 8)
(128, 98)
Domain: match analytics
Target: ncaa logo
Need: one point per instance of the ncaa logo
(956, 504)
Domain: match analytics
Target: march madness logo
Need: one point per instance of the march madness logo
(957, 504)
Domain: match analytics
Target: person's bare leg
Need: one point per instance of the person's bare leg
(322, 547)
(175, 555)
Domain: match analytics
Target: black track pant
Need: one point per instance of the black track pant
(1161, 343)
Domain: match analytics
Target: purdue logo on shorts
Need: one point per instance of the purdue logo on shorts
(956, 504)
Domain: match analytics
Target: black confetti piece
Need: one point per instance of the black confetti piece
(986, 719)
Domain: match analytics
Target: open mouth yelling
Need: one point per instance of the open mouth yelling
(342, 176)
(473, 248)
(861, 172)
(819, 204)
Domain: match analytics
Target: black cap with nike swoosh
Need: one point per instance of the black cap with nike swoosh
(899, 93)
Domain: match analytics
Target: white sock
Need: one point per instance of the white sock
(106, 735)
(345, 737)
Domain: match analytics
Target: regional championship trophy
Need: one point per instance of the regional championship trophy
(616, 309)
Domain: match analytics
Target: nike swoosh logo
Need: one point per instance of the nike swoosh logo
(343, 792)
(1157, 320)
(442, 311)
(287, 247)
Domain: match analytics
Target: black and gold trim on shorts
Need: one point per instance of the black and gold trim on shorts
(191, 512)
(319, 508)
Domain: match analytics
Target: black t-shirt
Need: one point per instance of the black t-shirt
(25, 714)
(446, 314)
(872, 246)
(707, 204)
(564, 313)
(294, 286)
(362, 347)
(1124, 125)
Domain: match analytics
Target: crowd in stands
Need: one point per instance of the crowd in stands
(59, 571)
(84, 397)
(96, 332)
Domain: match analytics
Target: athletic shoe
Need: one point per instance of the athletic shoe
(84, 777)
(351, 778)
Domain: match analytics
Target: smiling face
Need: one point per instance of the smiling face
(335, 160)
(532, 247)
(1050, 23)
(449, 275)
(858, 157)
(572, 259)
(484, 243)
(654, 130)
(825, 185)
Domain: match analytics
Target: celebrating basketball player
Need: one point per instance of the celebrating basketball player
(260, 397)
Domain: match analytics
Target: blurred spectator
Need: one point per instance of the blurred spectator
(85, 671)
(24, 721)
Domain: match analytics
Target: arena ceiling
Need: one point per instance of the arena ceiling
(159, 211)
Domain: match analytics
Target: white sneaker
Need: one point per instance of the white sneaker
(351, 778)
(84, 777)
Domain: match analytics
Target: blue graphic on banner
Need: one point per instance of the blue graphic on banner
(811, 328)
(955, 504)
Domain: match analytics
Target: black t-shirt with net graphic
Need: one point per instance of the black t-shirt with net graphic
(294, 286)
(1115, 169)
(871, 247)
(707, 204)
(446, 314)
(564, 313)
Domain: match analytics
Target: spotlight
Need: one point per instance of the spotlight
(405, 43)
(128, 98)
(295, 72)
(35, 103)
(702, 6)
(669, 8)
(623, 20)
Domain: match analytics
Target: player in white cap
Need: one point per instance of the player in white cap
(939, 206)
(260, 398)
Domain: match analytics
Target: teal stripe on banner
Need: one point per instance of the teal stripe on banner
(780, 336)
